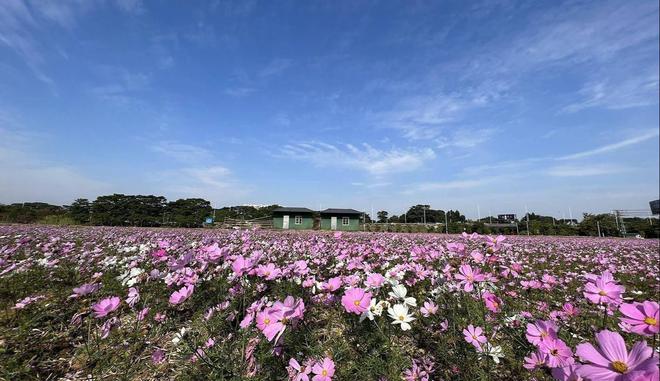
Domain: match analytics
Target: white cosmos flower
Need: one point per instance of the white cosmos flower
(399, 292)
(495, 352)
(399, 315)
(375, 309)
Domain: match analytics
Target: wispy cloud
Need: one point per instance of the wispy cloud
(446, 185)
(275, 67)
(363, 157)
(119, 86)
(584, 170)
(464, 138)
(631, 92)
(644, 136)
(182, 152)
(240, 92)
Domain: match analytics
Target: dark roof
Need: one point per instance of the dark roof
(340, 211)
(292, 210)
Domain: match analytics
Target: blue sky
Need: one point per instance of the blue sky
(489, 105)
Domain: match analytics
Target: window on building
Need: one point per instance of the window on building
(345, 221)
(298, 220)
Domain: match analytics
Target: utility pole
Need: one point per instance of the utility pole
(598, 224)
(527, 214)
(446, 224)
(478, 212)
(424, 210)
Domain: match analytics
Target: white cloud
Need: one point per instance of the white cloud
(584, 170)
(240, 92)
(182, 152)
(644, 136)
(464, 138)
(448, 185)
(633, 91)
(275, 67)
(363, 158)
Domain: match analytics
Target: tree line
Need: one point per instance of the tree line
(150, 210)
(113, 210)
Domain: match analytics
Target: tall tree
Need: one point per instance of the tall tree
(382, 216)
(189, 212)
(79, 210)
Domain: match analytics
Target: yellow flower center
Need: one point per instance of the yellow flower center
(620, 367)
(402, 318)
(266, 321)
(650, 321)
(324, 373)
(602, 293)
(544, 334)
(470, 278)
(357, 302)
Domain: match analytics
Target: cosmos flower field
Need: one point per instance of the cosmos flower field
(140, 304)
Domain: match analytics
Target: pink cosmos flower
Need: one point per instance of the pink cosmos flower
(429, 309)
(269, 321)
(133, 296)
(493, 303)
(291, 308)
(269, 271)
(566, 373)
(299, 372)
(240, 265)
(557, 352)
(180, 296)
(323, 370)
(85, 289)
(332, 284)
(142, 314)
(495, 244)
(468, 276)
(540, 331)
(106, 306)
(641, 318)
(603, 290)
(158, 356)
(356, 300)
(570, 310)
(612, 362)
(535, 360)
(374, 280)
(475, 336)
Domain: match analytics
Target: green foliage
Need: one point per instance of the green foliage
(122, 210)
(29, 212)
(79, 211)
(189, 212)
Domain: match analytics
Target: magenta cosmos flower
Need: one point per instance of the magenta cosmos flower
(356, 300)
(106, 306)
(180, 296)
(612, 362)
(323, 370)
(642, 318)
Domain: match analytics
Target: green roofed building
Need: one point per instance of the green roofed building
(340, 219)
(293, 218)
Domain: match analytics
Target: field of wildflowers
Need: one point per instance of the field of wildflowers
(138, 304)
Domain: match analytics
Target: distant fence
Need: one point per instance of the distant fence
(230, 223)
